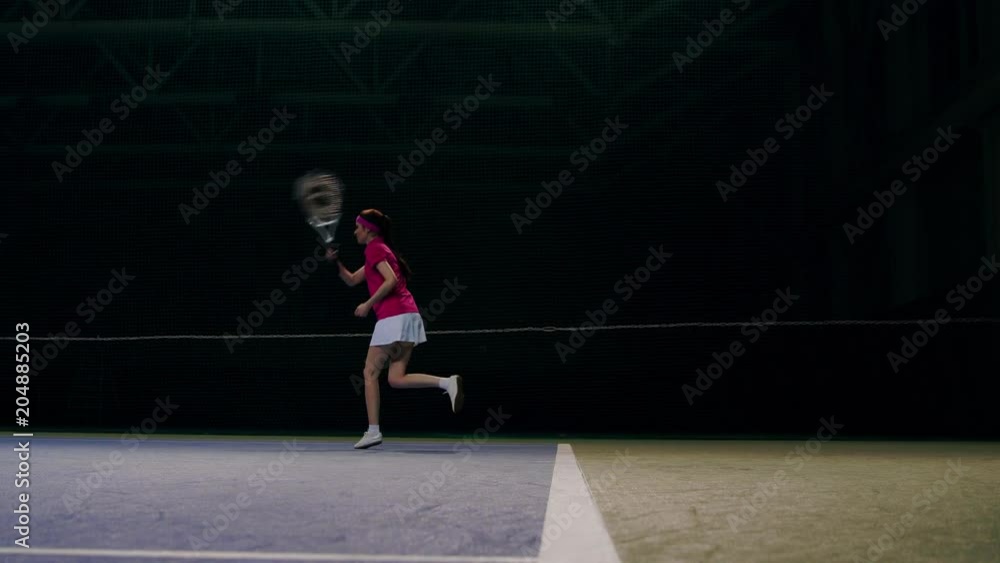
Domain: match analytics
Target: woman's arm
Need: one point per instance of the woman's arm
(387, 285)
(351, 278)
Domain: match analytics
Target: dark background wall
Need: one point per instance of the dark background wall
(655, 185)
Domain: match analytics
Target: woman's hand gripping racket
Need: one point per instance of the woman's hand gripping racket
(321, 195)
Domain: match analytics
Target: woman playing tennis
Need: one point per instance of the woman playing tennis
(399, 327)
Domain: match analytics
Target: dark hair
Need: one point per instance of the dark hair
(384, 224)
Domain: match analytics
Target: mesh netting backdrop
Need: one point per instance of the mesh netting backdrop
(644, 139)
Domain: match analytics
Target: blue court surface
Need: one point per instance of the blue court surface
(108, 499)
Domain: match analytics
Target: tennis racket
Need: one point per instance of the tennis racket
(321, 195)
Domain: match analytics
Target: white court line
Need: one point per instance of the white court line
(256, 555)
(574, 529)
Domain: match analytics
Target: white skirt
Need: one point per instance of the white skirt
(408, 327)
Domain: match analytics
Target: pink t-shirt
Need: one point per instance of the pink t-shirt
(399, 300)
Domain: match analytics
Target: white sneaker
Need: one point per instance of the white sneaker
(369, 440)
(456, 393)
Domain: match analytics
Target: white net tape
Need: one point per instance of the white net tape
(979, 320)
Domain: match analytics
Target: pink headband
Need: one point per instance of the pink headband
(367, 224)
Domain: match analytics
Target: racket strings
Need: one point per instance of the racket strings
(321, 195)
(324, 204)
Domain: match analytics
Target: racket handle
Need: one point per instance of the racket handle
(328, 241)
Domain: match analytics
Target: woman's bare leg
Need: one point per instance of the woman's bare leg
(399, 379)
(374, 364)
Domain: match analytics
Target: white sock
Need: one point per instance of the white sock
(373, 428)
(444, 382)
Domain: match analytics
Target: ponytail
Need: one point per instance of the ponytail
(384, 224)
